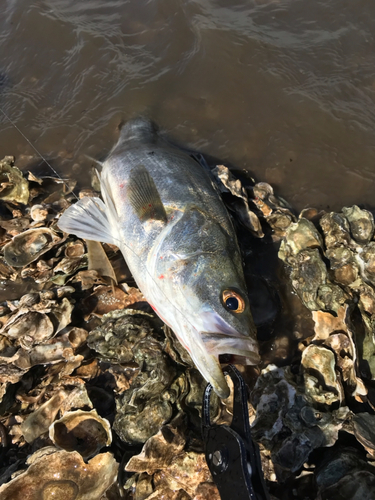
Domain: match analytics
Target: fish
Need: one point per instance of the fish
(163, 210)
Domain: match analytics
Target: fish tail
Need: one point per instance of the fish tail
(138, 129)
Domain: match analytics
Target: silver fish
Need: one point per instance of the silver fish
(163, 211)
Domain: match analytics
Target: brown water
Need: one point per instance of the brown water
(283, 89)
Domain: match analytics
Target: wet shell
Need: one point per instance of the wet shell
(361, 223)
(336, 230)
(364, 425)
(38, 213)
(321, 381)
(29, 246)
(299, 236)
(61, 475)
(13, 186)
(28, 327)
(82, 431)
(37, 422)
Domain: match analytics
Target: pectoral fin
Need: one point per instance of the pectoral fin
(144, 196)
(88, 219)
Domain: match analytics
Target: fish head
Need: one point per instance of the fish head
(202, 273)
(220, 319)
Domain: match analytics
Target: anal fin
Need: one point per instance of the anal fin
(144, 196)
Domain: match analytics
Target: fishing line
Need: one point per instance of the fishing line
(57, 175)
(38, 152)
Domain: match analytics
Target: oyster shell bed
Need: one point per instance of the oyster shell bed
(98, 400)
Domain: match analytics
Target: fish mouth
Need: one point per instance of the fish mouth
(214, 336)
(238, 345)
(206, 356)
(219, 337)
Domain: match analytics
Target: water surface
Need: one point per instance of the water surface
(282, 89)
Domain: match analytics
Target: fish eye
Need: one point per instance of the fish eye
(233, 301)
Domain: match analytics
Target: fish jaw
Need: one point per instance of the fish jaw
(205, 347)
(204, 332)
(213, 374)
(221, 338)
(241, 346)
(208, 365)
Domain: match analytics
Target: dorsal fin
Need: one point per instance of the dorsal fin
(144, 196)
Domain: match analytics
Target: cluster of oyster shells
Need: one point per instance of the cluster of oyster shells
(313, 413)
(326, 399)
(98, 400)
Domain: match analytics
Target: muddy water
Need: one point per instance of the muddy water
(283, 89)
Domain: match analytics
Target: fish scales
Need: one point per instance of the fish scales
(162, 209)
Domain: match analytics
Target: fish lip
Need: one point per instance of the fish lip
(221, 391)
(211, 370)
(253, 358)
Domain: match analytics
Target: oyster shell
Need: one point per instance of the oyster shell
(367, 262)
(144, 408)
(106, 299)
(187, 472)
(299, 236)
(321, 381)
(74, 249)
(67, 266)
(38, 422)
(364, 431)
(345, 474)
(309, 278)
(126, 337)
(240, 205)
(365, 344)
(117, 334)
(159, 451)
(275, 210)
(82, 431)
(13, 186)
(62, 475)
(287, 424)
(29, 246)
(336, 230)
(26, 324)
(301, 251)
(339, 359)
(174, 470)
(39, 213)
(361, 223)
